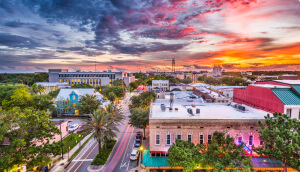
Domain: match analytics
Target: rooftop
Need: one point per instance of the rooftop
(160, 81)
(207, 111)
(269, 86)
(65, 93)
(289, 81)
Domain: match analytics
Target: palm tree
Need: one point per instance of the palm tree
(105, 126)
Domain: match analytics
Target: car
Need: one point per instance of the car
(137, 143)
(134, 154)
(138, 134)
(81, 129)
(73, 127)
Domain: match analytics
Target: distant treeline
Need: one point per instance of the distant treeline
(24, 78)
(265, 73)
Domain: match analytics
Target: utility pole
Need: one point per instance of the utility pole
(173, 65)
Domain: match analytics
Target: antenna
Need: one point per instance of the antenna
(173, 65)
(95, 64)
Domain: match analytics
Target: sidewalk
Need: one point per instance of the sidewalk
(62, 163)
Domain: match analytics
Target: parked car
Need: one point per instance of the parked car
(73, 127)
(137, 143)
(138, 135)
(81, 129)
(134, 154)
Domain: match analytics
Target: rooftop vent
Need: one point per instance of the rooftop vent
(163, 107)
(170, 109)
(176, 109)
(197, 111)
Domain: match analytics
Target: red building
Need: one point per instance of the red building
(271, 96)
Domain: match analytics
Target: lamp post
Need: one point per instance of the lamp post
(62, 149)
(68, 153)
(79, 141)
(141, 156)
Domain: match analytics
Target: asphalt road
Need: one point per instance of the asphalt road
(119, 160)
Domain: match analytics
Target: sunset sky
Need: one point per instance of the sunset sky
(134, 35)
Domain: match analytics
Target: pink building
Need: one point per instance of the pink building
(197, 122)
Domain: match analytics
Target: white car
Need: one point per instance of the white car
(73, 127)
(134, 154)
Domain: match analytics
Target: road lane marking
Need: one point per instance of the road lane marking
(83, 153)
(122, 130)
(124, 155)
(121, 151)
(117, 150)
(86, 157)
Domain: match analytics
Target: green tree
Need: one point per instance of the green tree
(143, 100)
(119, 82)
(6, 90)
(187, 80)
(88, 104)
(139, 118)
(29, 133)
(223, 153)
(134, 85)
(105, 126)
(281, 139)
(20, 98)
(54, 93)
(81, 85)
(184, 154)
(41, 102)
(111, 96)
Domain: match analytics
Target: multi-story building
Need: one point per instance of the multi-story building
(160, 84)
(211, 95)
(217, 70)
(128, 80)
(197, 122)
(52, 86)
(73, 96)
(272, 96)
(91, 78)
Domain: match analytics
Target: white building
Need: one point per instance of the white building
(52, 86)
(128, 80)
(217, 70)
(160, 84)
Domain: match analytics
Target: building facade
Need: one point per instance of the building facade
(160, 84)
(52, 86)
(71, 97)
(272, 96)
(92, 78)
(198, 122)
(128, 80)
(217, 70)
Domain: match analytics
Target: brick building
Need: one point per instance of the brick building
(197, 122)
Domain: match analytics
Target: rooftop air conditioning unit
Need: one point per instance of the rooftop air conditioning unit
(190, 111)
(197, 111)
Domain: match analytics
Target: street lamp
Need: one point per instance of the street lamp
(141, 149)
(79, 141)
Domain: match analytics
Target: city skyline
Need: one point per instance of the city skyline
(135, 35)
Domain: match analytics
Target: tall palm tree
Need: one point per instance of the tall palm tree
(115, 113)
(105, 126)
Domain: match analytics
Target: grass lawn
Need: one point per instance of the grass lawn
(105, 153)
(73, 139)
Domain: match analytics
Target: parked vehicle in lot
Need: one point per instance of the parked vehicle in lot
(137, 143)
(81, 129)
(134, 154)
(73, 127)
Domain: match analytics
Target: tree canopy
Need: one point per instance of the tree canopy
(143, 100)
(24, 78)
(184, 154)
(281, 139)
(28, 133)
(139, 117)
(88, 104)
(222, 152)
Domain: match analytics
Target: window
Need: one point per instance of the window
(240, 140)
(179, 136)
(261, 143)
(209, 139)
(289, 112)
(168, 139)
(250, 140)
(157, 139)
(73, 97)
(190, 138)
(201, 139)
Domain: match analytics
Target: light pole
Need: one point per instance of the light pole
(68, 153)
(62, 149)
(79, 141)
(141, 156)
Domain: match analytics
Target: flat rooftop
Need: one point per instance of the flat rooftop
(289, 81)
(207, 111)
(269, 86)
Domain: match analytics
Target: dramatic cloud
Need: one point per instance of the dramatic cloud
(144, 35)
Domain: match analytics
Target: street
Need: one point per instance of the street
(119, 158)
